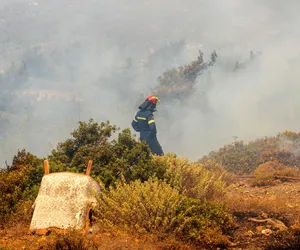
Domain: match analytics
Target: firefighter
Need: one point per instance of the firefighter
(144, 123)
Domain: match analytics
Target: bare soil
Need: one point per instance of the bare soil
(279, 203)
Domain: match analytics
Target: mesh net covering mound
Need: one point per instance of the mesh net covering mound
(64, 201)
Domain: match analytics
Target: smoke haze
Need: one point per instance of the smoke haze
(75, 54)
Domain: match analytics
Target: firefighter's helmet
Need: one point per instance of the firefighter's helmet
(150, 103)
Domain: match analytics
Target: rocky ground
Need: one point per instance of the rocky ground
(263, 212)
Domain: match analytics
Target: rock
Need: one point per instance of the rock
(260, 228)
(249, 233)
(264, 215)
(267, 232)
(289, 205)
(233, 244)
(240, 184)
(64, 201)
(275, 224)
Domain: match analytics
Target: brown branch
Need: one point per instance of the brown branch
(276, 177)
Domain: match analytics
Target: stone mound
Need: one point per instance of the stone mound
(64, 201)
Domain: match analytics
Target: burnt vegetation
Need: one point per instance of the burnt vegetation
(178, 83)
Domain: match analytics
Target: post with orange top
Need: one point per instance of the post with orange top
(88, 170)
(46, 167)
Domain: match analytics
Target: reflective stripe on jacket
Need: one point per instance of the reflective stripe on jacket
(144, 123)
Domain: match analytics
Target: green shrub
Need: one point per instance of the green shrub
(204, 223)
(142, 207)
(241, 158)
(123, 156)
(155, 207)
(19, 186)
(112, 158)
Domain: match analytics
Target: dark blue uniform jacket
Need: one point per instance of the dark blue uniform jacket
(144, 123)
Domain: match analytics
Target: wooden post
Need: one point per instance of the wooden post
(88, 170)
(46, 167)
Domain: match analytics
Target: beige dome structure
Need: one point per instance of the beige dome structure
(64, 201)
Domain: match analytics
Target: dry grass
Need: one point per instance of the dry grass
(203, 181)
(70, 240)
(104, 240)
(257, 205)
(265, 173)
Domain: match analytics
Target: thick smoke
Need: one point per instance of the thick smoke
(63, 61)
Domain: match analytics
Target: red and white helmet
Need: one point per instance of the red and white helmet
(153, 99)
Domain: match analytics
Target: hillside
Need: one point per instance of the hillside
(72, 76)
(163, 202)
(277, 202)
(203, 204)
(243, 158)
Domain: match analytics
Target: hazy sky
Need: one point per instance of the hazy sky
(78, 47)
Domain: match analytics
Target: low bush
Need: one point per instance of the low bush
(265, 174)
(19, 186)
(155, 207)
(142, 207)
(203, 223)
(243, 158)
(203, 181)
